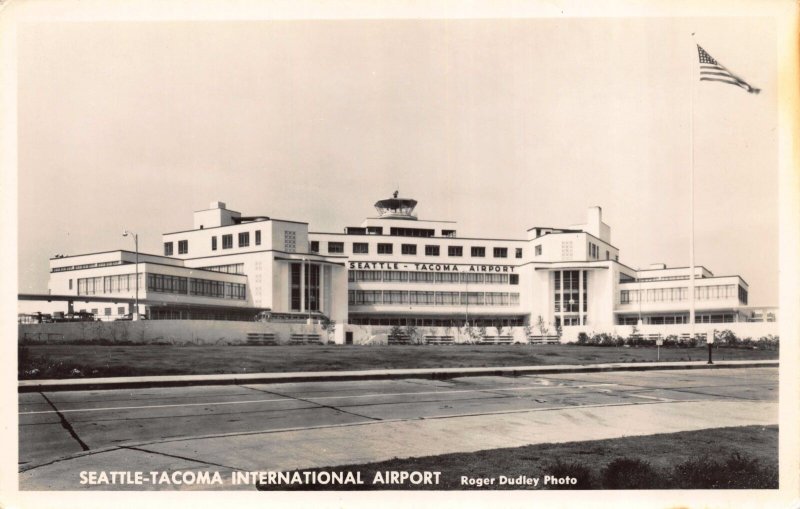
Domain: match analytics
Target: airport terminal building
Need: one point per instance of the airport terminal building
(393, 269)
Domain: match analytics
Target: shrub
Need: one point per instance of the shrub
(726, 338)
(581, 473)
(583, 338)
(736, 471)
(630, 473)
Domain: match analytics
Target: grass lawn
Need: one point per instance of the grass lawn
(692, 459)
(82, 360)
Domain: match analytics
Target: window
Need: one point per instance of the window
(408, 249)
(167, 248)
(624, 297)
(513, 279)
(455, 251)
(227, 241)
(214, 243)
(314, 246)
(360, 248)
(258, 237)
(566, 250)
(121, 310)
(335, 247)
(244, 239)
(518, 252)
(500, 252)
(94, 311)
(289, 241)
(107, 311)
(537, 250)
(477, 251)
(183, 246)
(70, 284)
(431, 250)
(385, 248)
(448, 233)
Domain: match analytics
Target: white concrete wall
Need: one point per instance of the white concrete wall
(168, 331)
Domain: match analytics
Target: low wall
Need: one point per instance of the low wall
(379, 334)
(164, 331)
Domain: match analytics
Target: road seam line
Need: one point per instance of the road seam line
(66, 425)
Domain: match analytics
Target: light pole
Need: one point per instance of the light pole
(125, 233)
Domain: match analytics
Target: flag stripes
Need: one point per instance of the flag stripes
(711, 70)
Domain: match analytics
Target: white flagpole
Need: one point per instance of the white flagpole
(691, 194)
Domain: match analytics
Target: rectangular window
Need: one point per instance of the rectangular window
(258, 237)
(385, 248)
(121, 310)
(500, 252)
(455, 251)
(214, 243)
(431, 250)
(314, 246)
(335, 247)
(227, 241)
(167, 248)
(107, 311)
(244, 239)
(518, 252)
(538, 250)
(70, 284)
(513, 279)
(447, 277)
(566, 250)
(477, 251)
(183, 246)
(408, 249)
(289, 241)
(360, 248)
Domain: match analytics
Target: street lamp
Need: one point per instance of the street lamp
(126, 233)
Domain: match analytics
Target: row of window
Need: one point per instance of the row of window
(431, 277)
(86, 266)
(231, 268)
(678, 319)
(594, 252)
(161, 283)
(193, 286)
(362, 297)
(713, 292)
(227, 243)
(498, 321)
(411, 249)
(107, 284)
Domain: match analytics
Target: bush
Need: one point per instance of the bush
(736, 471)
(630, 474)
(583, 338)
(581, 473)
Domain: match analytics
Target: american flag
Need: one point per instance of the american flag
(711, 70)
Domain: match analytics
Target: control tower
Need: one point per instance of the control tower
(396, 208)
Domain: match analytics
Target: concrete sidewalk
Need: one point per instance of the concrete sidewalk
(82, 384)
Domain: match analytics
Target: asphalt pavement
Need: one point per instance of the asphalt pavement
(282, 426)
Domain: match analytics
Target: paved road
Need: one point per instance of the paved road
(302, 425)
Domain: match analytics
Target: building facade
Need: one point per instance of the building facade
(394, 269)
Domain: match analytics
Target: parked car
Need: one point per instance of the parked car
(129, 317)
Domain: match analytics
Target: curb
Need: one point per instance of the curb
(341, 376)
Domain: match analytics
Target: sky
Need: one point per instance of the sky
(499, 124)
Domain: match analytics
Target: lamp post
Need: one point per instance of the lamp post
(125, 233)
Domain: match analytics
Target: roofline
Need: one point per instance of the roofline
(672, 268)
(238, 224)
(418, 220)
(115, 251)
(358, 235)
